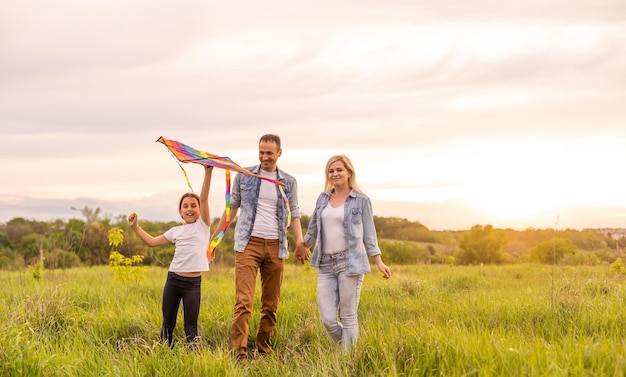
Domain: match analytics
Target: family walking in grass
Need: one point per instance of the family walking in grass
(341, 231)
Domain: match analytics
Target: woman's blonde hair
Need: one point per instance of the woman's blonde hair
(328, 186)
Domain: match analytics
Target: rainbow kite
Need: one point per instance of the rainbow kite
(185, 153)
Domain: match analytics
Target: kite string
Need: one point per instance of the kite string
(218, 238)
(183, 169)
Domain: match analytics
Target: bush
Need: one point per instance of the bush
(581, 258)
(551, 251)
(403, 252)
(618, 266)
(58, 258)
(127, 269)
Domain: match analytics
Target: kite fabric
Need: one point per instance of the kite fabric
(184, 153)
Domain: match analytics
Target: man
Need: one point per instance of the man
(261, 243)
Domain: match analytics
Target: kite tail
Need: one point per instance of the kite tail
(218, 238)
(282, 192)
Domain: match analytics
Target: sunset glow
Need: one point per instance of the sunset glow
(489, 113)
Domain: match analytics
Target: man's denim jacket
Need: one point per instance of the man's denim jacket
(358, 222)
(245, 194)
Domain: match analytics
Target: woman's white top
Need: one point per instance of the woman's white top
(333, 234)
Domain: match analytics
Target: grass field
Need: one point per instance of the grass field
(517, 320)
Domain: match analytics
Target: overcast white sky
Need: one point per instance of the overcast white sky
(454, 113)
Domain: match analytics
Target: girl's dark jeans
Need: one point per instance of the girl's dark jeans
(179, 288)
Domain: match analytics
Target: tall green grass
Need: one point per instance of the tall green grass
(519, 320)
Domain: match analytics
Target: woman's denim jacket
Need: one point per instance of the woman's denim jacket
(358, 222)
(245, 194)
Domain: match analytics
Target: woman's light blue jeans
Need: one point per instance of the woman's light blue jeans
(338, 297)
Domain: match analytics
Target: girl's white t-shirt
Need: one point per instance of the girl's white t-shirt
(192, 242)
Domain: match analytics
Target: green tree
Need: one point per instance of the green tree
(29, 246)
(551, 251)
(17, 228)
(403, 252)
(585, 240)
(57, 258)
(4, 240)
(96, 243)
(482, 244)
(402, 229)
(75, 231)
(8, 257)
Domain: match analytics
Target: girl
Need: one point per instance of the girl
(185, 272)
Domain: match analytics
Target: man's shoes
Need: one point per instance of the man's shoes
(241, 358)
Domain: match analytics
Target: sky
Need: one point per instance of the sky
(454, 114)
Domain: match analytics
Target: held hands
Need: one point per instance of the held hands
(302, 253)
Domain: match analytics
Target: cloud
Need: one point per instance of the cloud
(430, 99)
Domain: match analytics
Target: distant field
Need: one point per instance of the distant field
(518, 320)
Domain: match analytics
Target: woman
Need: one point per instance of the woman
(342, 229)
(185, 272)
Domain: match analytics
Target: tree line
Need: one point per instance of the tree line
(84, 242)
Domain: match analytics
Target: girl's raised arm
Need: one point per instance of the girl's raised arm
(205, 214)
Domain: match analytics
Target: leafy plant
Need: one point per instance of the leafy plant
(116, 237)
(37, 271)
(124, 268)
(127, 269)
(450, 261)
(551, 251)
(618, 266)
(482, 244)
